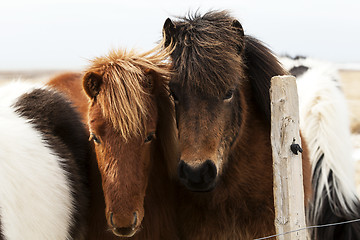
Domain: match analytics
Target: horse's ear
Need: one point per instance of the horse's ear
(168, 31)
(92, 83)
(239, 29)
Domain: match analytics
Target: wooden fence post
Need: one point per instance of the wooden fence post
(287, 166)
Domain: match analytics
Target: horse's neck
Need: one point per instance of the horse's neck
(160, 183)
(160, 205)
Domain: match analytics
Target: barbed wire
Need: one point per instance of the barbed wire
(309, 227)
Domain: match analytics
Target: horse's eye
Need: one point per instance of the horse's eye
(228, 96)
(94, 138)
(173, 95)
(150, 137)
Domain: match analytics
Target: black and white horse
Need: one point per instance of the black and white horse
(324, 122)
(43, 165)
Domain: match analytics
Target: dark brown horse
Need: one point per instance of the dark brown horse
(220, 88)
(131, 123)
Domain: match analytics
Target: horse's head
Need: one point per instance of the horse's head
(123, 121)
(220, 86)
(206, 87)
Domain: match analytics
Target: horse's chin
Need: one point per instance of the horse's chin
(125, 233)
(201, 188)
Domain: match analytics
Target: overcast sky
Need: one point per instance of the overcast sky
(64, 34)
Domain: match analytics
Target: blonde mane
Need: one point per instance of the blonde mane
(126, 89)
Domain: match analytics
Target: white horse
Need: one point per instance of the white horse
(43, 153)
(324, 122)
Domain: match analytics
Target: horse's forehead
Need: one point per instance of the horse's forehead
(205, 87)
(212, 74)
(105, 124)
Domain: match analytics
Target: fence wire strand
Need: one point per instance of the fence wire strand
(310, 227)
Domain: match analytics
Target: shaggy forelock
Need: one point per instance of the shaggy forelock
(126, 90)
(206, 56)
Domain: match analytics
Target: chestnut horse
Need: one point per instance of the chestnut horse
(220, 87)
(131, 122)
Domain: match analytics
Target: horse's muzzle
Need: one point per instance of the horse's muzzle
(200, 178)
(125, 231)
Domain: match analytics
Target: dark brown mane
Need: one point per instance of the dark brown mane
(206, 52)
(126, 87)
(211, 55)
(261, 66)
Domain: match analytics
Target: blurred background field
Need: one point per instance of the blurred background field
(350, 80)
(33, 76)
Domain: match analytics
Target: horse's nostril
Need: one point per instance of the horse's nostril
(209, 171)
(181, 169)
(135, 220)
(111, 220)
